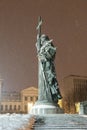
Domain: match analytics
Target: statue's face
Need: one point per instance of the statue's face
(43, 38)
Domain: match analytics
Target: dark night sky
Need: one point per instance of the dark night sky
(65, 21)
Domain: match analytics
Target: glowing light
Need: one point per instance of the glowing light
(60, 103)
(77, 105)
(30, 105)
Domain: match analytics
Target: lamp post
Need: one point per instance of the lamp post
(0, 93)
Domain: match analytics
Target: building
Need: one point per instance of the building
(74, 91)
(28, 97)
(15, 102)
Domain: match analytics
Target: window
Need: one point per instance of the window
(10, 107)
(25, 98)
(14, 107)
(31, 98)
(19, 108)
(36, 98)
(6, 107)
(25, 107)
(1, 107)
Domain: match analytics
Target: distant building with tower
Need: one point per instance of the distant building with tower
(14, 102)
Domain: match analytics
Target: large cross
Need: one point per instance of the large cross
(39, 25)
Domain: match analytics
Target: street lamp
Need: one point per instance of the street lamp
(0, 93)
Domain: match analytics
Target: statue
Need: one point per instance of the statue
(47, 84)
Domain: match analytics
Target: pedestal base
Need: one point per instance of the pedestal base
(45, 108)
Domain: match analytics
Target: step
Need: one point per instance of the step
(60, 122)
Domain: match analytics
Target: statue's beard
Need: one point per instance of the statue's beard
(42, 43)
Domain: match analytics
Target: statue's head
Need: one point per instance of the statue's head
(44, 38)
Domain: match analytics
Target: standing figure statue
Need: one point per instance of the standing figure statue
(48, 85)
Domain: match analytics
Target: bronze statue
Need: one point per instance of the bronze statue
(47, 84)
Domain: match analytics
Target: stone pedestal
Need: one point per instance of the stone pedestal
(83, 108)
(44, 107)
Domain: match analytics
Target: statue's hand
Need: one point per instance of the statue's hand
(41, 57)
(38, 37)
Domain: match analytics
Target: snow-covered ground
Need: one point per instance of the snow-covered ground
(21, 121)
(14, 121)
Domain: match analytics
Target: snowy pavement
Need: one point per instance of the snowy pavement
(51, 122)
(14, 121)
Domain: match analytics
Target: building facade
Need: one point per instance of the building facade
(18, 102)
(74, 92)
